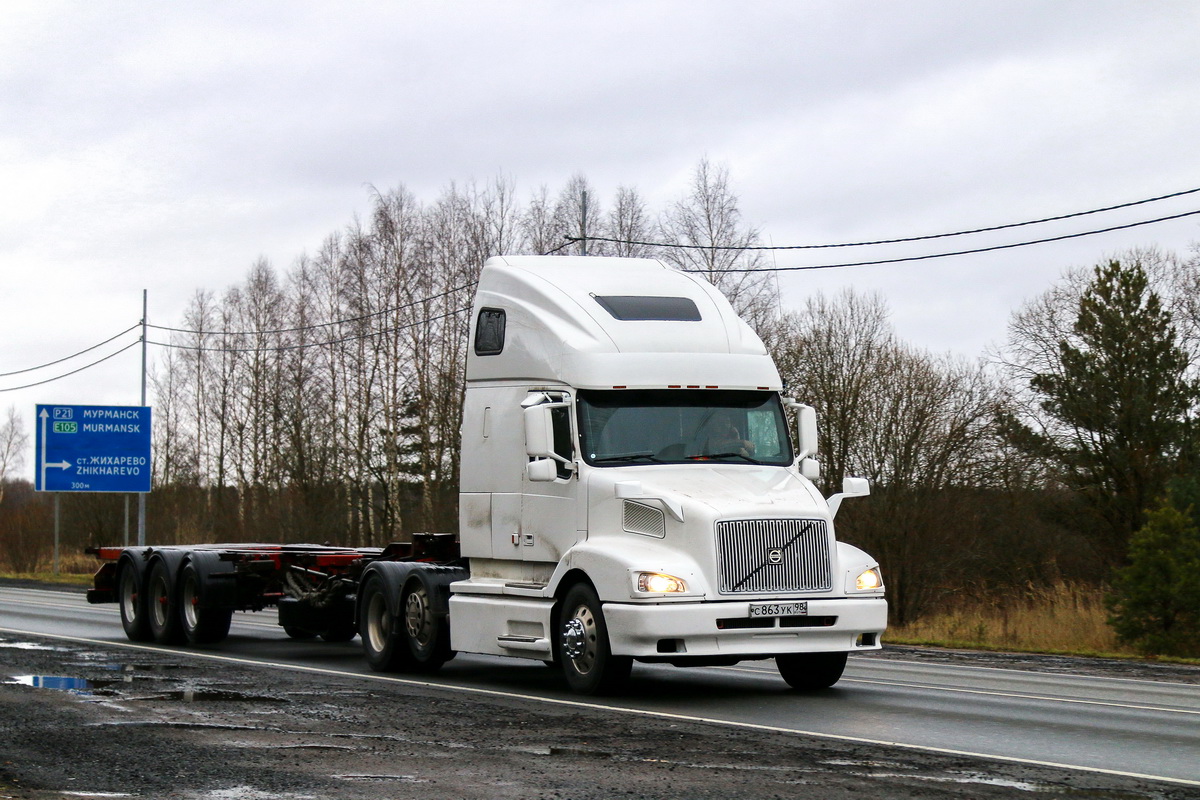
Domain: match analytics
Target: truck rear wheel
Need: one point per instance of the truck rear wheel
(134, 614)
(426, 632)
(811, 670)
(201, 624)
(582, 646)
(163, 603)
(383, 646)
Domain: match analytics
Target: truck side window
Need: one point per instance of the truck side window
(489, 332)
(560, 419)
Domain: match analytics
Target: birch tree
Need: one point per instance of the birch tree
(13, 443)
(707, 225)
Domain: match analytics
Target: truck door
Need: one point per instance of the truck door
(549, 509)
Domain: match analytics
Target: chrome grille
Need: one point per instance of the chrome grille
(773, 555)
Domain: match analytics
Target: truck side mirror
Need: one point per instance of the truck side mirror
(856, 487)
(541, 470)
(851, 487)
(811, 469)
(539, 432)
(806, 431)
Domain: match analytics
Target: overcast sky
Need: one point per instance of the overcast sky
(166, 146)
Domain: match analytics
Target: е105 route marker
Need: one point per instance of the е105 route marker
(93, 449)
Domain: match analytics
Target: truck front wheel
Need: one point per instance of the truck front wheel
(811, 670)
(582, 645)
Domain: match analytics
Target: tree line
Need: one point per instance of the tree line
(322, 402)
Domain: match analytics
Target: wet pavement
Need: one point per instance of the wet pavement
(98, 722)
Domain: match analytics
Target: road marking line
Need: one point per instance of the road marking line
(1016, 695)
(865, 659)
(600, 707)
(996, 693)
(1023, 696)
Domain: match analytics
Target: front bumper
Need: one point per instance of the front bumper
(683, 630)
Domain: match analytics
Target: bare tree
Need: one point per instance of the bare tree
(629, 222)
(13, 441)
(539, 228)
(577, 213)
(918, 425)
(707, 225)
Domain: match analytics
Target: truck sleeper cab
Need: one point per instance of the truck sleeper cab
(630, 490)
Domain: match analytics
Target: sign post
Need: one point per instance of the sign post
(92, 449)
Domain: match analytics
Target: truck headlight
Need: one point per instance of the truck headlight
(868, 580)
(658, 583)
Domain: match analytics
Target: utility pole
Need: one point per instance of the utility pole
(583, 227)
(142, 495)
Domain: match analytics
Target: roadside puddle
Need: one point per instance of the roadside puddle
(124, 685)
(61, 683)
(9, 645)
(210, 696)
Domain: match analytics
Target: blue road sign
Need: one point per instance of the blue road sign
(93, 449)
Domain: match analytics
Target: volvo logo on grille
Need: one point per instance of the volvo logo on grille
(775, 556)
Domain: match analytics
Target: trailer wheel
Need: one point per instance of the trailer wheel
(163, 603)
(582, 645)
(426, 632)
(134, 614)
(201, 625)
(383, 646)
(811, 670)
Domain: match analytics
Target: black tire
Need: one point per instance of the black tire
(383, 645)
(201, 624)
(808, 671)
(582, 647)
(132, 600)
(426, 632)
(298, 633)
(342, 625)
(162, 602)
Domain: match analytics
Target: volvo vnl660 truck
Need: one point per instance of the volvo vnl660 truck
(629, 492)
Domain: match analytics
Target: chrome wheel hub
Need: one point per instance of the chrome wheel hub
(574, 639)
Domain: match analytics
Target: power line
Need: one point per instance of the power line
(72, 372)
(284, 348)
(574, 239)
(961, 252)
(68, 358)
(317, 325)
(570, 240)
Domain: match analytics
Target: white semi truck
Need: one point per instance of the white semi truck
(629, 492)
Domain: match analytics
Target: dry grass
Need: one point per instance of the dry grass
(72, 578)
(1061, 618)
(75, 568)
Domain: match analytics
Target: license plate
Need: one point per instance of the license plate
(779, 609)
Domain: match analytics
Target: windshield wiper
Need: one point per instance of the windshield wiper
(707, 456)
(625, 457)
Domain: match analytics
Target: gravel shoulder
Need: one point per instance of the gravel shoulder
(163, 725)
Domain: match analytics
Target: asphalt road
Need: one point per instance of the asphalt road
(1122, 726)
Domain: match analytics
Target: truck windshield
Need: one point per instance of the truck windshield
(660, 426)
